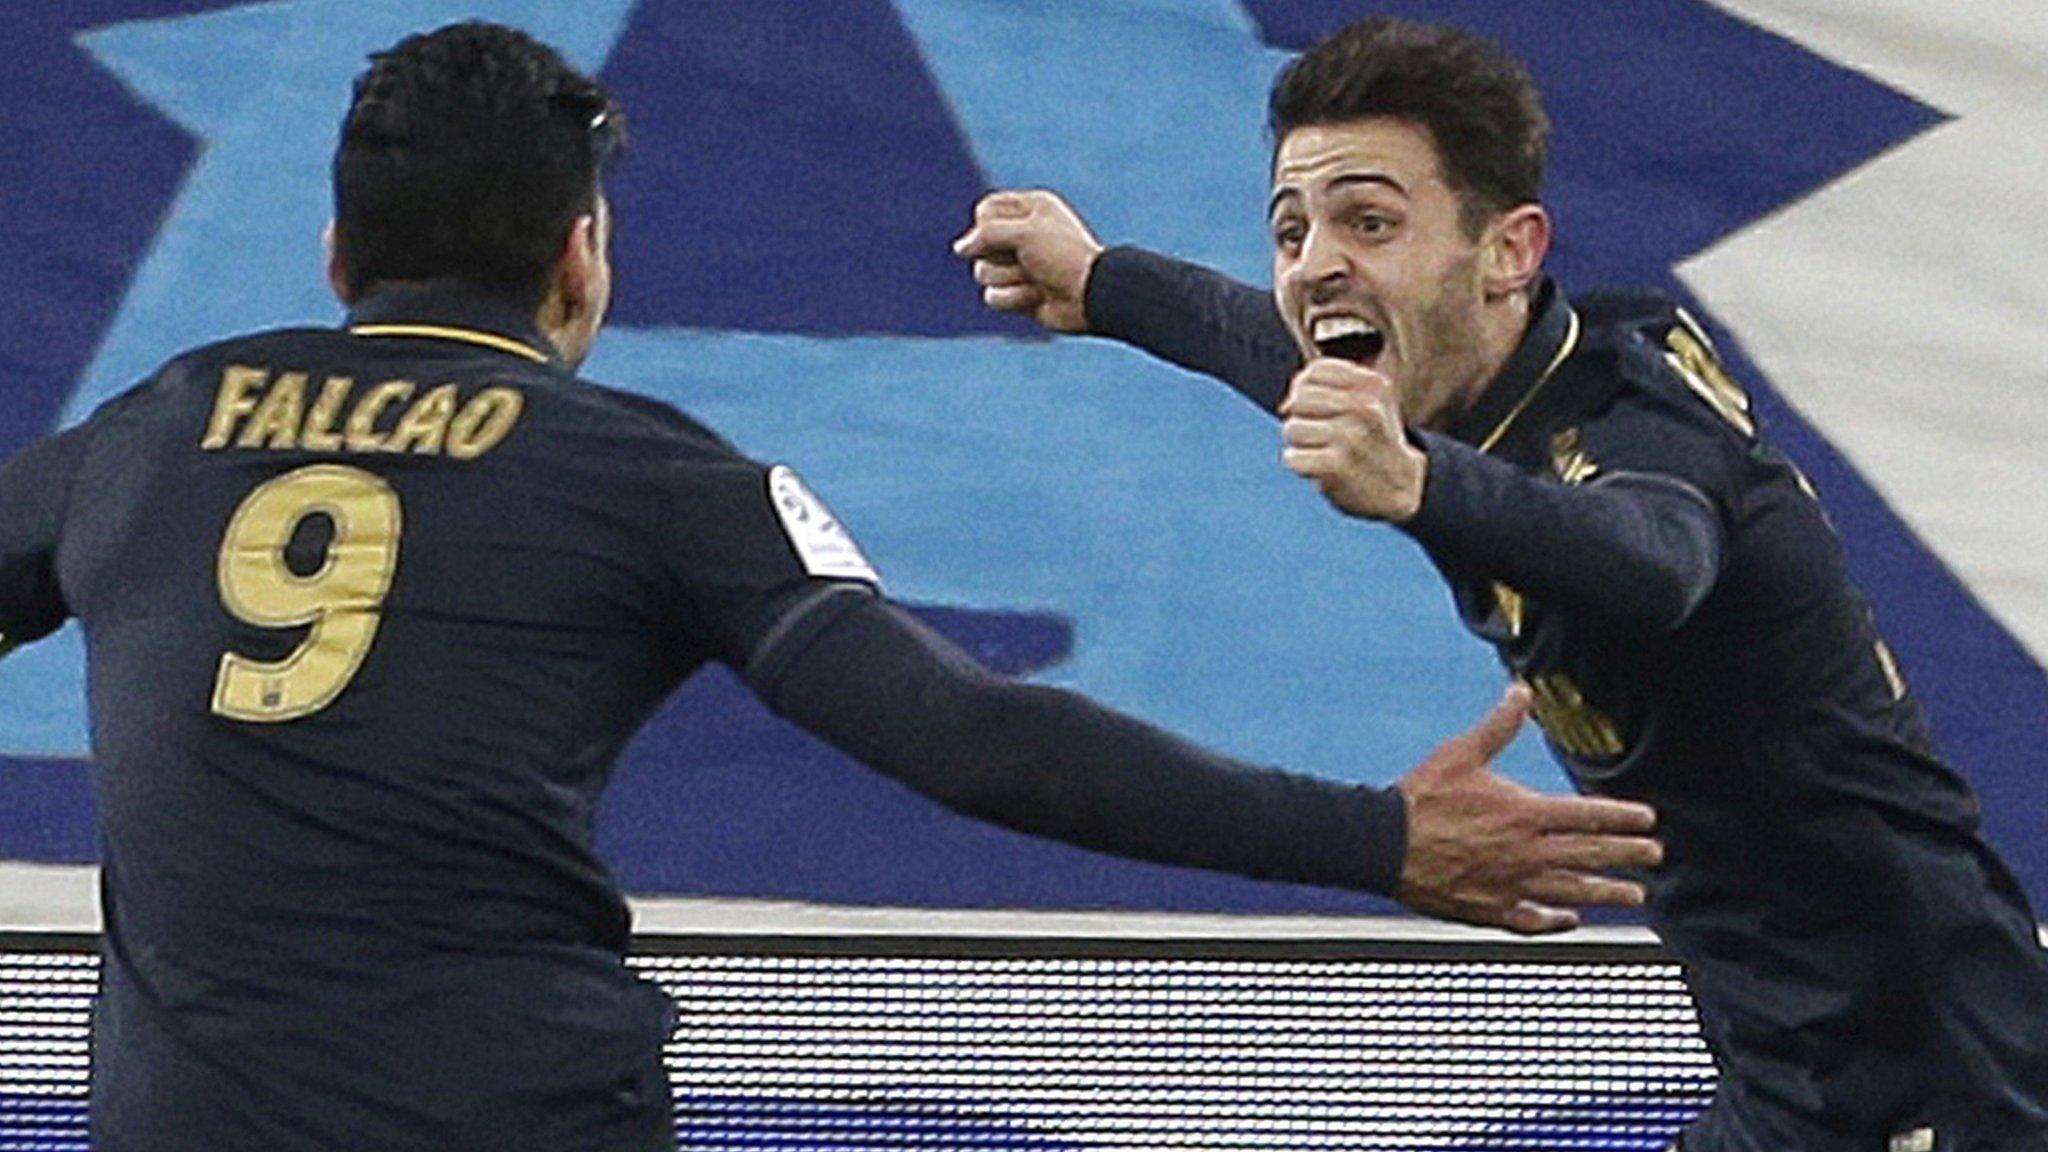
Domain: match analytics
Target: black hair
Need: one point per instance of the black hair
(468, 153)
(1478, 104)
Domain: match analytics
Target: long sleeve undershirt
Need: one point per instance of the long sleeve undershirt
(867, 677)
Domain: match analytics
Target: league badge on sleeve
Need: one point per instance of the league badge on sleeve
(821, 542)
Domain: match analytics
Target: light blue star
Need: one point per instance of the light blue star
(264, 88)
(1209, 590)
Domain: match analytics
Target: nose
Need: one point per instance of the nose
(1322, 268)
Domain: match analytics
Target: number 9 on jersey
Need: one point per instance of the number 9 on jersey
(343, 600)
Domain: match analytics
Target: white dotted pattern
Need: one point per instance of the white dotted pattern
(789, 1052)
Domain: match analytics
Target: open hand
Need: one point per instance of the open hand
(1486, 850)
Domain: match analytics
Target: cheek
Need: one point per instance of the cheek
(1445, 294)
(1450, 325)
(1284, 300)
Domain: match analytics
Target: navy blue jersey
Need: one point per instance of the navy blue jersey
(1864, 965)
(370, 613)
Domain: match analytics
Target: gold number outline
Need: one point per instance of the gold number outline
(257, 587)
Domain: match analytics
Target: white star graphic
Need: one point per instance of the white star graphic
(1904, 308)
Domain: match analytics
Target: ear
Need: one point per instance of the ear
(1516, 245)
(337, 267)
(577, 271)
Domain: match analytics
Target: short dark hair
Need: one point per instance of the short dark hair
(1478, 104)
(468, 153)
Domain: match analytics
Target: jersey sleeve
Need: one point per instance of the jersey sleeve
(747, 546)
(35, 488)
(1636, 549)
(1197, 318)
(1630, 524)
(880, 686)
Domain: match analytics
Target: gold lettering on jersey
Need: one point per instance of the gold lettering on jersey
(1691, 354)
(424, 427)
(235, 400)
(277, 419)
(1569, 459)
(320, 434)
(254, 409)
(362, 423)
(1571, 721)
(484, 422)
(1508, 603)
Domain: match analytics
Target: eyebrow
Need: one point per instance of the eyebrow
(1337, 183)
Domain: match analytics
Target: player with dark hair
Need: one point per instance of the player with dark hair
(1590, 482)
(431, 121)
(370, 611)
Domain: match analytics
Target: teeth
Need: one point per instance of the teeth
(1340, 327)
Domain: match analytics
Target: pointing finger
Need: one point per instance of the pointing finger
(1593, 814)
(1311, 396)
(1580, 891)
(990, 272)
(1318, 464)
(1299, 432)
(1315, 400)
(1602, 853)
(1018, 298)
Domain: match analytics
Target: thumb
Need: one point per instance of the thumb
(970, 243)
(992, 235)
(1001, 204)
(1475, 749)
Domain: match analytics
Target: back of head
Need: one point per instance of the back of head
(1478, 103)
(467, 154)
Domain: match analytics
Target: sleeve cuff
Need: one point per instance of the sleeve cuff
(1120, 283)
(1385, 816)
(1450, 502)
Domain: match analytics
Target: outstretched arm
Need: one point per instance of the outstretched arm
(1034, 255)
(1452, 840)
(35, 485)
(1195, 317)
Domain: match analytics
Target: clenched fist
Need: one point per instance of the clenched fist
(1342, 429)
(1032, 254)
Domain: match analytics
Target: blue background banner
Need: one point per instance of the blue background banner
(1068, 510)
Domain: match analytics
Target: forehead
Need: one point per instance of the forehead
(1311, 157)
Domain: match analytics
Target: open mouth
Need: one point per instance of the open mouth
(1348, 338)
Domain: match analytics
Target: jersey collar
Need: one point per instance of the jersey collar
(441, 310)
(1552, 337)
